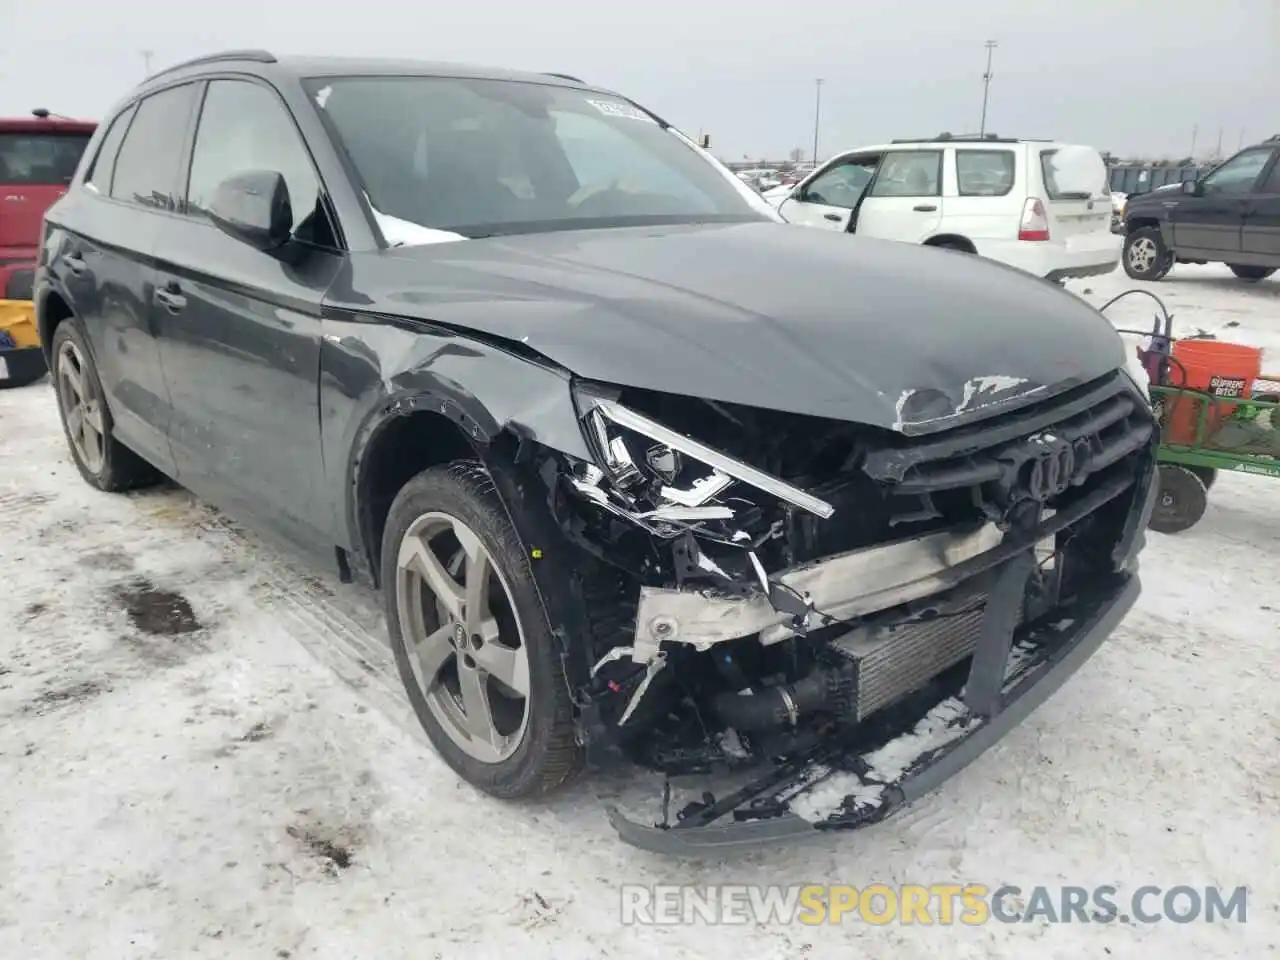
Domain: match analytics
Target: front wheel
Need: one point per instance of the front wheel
(470, 636)
(1145, 256)
(1253, 274)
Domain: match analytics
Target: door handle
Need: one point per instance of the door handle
(75, 264)
(925, 207)
(169, 298)
(833, 217)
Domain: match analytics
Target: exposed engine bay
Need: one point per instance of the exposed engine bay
(758, 581)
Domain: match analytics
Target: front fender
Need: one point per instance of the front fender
(374, 370)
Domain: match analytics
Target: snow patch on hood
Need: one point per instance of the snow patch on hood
(406, 233)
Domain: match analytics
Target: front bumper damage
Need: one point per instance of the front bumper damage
(847, 785)
(1015, 558)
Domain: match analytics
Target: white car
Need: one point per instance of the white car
(1041, 206)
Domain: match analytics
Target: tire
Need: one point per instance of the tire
(1145, 256)
(1207, 475)
(541, 753)
(116, 468)
(1181, 500)
(1252, 274)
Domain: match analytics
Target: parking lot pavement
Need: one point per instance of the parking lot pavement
(204, 752)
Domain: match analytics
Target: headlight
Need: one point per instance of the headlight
(634, 450)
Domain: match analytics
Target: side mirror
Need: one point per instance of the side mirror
(253, 207)
(1191, 188)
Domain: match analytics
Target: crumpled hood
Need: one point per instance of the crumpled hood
(769, 315)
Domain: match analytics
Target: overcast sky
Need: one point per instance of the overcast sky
(1124, 75)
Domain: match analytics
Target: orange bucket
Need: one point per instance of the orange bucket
(1218, 369)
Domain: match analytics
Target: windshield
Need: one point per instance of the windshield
(476, 158)
(45, 159)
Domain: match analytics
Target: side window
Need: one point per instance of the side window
(1272, 183)
(842, 185)
(984, 173)
(245, 126)
(150, 158)
(104, 164)
(1237, 174)
(909, 173)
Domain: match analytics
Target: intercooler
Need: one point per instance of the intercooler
(893, 660)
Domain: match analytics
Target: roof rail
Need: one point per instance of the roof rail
(971, 138)
(257, 56)
(564, 76)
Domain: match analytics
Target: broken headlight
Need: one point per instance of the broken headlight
(666, 481)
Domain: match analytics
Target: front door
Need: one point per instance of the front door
(828, 198)
(904, 201)
(1210, 223)
(240, 328)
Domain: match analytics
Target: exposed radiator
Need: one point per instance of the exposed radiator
(896, 659)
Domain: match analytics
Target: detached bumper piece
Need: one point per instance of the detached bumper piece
(875, 770)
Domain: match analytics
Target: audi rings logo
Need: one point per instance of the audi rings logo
(1051, 471)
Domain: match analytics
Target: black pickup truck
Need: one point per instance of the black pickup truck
(1230, 215)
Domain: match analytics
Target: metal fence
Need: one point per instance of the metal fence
(1136, 180)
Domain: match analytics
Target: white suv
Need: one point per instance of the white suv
(1041, 206)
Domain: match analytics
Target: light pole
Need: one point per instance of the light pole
(986, 87)
(146, 62)
(817, 115)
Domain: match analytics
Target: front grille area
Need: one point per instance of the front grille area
(1091, 430)
(897, 659)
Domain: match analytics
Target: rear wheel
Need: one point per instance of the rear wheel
(1145, 256)
(1181, 500)
(470, 636)
(102, 460)
(1245, 272)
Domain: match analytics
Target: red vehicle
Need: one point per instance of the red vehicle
(38, 157)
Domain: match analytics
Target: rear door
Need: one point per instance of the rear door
(904, 201)
(827, 200)
(1261, 237)
(113, 223)
(240, 328)
(1211, 223)
(1076, 191)
(38, 160)
(985, 202)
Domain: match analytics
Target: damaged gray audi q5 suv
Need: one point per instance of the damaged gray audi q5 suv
(643, 475)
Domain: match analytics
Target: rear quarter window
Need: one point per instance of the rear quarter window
(104, 164)
(984, 173)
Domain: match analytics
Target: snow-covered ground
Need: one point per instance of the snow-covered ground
(204, 752)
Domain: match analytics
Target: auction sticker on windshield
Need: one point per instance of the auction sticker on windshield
(616, 108)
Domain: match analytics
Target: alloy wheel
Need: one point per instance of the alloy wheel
(465, 643)
(1143, 254)
(81, 407)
